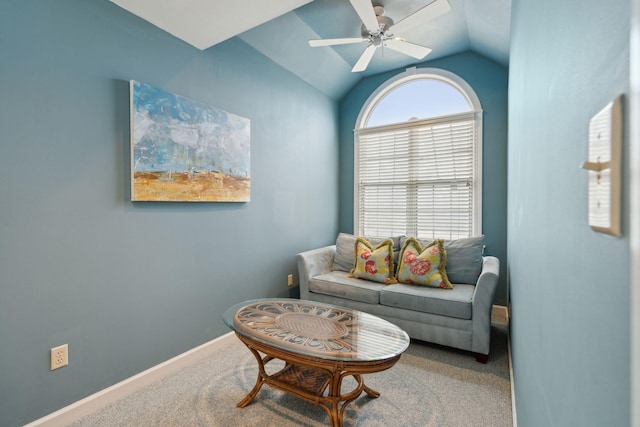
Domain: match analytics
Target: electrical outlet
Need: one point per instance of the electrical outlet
(290, 280)
(59, 356)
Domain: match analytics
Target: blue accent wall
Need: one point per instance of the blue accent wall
(569, 285)
(129, 285)
(490, 82)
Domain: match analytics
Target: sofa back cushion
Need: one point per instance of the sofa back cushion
(345, 250)
(464, 259)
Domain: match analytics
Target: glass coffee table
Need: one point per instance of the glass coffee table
(321, 344)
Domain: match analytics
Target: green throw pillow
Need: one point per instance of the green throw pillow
(375, 264)
(464, 258)
(423, 265)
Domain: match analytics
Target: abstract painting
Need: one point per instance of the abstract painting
(185, 151)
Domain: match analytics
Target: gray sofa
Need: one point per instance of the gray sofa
(458, 317)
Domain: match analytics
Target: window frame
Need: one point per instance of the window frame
(408, 76)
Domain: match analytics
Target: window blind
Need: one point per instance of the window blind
(416, 178)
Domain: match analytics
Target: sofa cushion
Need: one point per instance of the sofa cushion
(452, 303)
(339, 284)
(423, 265)
(464, 259)
(375, 264)
(345, 250)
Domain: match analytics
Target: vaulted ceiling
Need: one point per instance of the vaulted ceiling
(281, 30)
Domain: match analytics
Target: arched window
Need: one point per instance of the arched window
(418, 145)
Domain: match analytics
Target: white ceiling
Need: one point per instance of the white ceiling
(204, 23)
(280, 30)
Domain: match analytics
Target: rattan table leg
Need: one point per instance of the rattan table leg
(261, 380)
(335, 397)
(370, 392)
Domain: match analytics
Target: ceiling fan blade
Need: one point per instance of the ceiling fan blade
(407, 48)
(364, 9)
(364, 60)
(333, 42)
(427, 13)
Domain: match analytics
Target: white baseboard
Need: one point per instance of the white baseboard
(101, 399)
(514, 414)
(500, 314)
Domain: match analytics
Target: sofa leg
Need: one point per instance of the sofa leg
(482, 358)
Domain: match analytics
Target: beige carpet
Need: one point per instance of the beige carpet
(430, 386)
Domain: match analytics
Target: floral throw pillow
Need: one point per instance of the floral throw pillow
(375, 264)
(423, 265)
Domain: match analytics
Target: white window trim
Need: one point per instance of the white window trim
(409, 75)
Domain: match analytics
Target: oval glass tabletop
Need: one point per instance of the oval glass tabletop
(316, 329)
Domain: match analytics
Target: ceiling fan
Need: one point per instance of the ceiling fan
(379, 30)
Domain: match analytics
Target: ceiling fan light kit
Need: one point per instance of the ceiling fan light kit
(379, 30)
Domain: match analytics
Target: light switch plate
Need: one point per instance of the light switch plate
(603, 165)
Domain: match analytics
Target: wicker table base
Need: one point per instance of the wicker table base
(320, 344)
(316, 380)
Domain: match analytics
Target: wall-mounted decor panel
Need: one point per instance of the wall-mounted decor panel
(605, 152)
(185, 151)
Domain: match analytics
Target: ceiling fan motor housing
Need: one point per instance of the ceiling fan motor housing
(384, 22)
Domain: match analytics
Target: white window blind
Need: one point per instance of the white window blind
(416, 178)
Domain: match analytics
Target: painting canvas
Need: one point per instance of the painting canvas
(185, 151)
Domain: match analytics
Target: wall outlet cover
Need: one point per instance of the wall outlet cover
(59, 356)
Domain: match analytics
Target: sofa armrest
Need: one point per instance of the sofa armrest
(482, 304)
(313, 263)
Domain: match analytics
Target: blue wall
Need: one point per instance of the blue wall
(569, 285)
(490, 82)
(129, 285)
